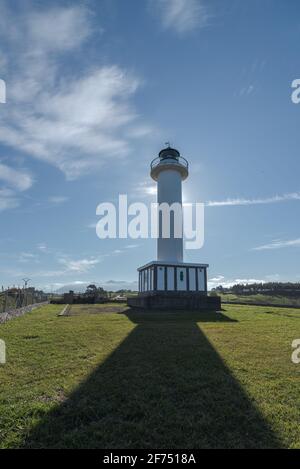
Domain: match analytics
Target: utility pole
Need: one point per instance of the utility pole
(26, 280)
(5, 301)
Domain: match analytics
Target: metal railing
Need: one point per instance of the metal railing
(180, 159)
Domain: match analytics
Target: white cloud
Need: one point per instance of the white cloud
(28, 257)
(226, 283)
(273, 278)
(18, 179)
(47, 273)
(80, 286)
(151, 190)
(268, 200)
(42, 247)
(79, 266)
(8, 199)
(247, 90)
(58, 29)
(74, 122)
(77, 127)
(181, 15)
(217, 279)
(69, 266)
(115, 285)
(145, 188)
(279, 244)
(57, 199)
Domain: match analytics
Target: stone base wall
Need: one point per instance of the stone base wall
(15, 313)
(175, 301)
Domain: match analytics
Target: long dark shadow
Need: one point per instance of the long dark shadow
(165, 386)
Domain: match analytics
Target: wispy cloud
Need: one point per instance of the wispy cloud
(181, 15)
(268, 200)
(15, 178)
(58, 29)
(28, 257)
(72, 121)
(42, 247)
(279, 244)
(79, 266)
(80, 286)
(144, 189)
(16, 181)
(246, 91)
(8, 199)
(57, 199)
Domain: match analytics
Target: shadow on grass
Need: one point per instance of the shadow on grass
(165, 386)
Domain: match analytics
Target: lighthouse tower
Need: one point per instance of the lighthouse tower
(169, 282)
(169, 170)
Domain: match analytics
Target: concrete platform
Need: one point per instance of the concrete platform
(175, 301)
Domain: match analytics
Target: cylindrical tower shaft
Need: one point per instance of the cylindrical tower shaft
(169, 191)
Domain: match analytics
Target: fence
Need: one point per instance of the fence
(16, 298)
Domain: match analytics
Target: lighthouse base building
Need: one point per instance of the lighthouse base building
(170, 283)
(166, 285)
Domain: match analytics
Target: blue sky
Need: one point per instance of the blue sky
(95, 88)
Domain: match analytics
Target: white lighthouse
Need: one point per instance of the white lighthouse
(169, 282)
(169, 170)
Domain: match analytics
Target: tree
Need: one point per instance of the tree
(91, 290)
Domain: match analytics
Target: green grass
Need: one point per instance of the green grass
(261, 298)
(150, 380)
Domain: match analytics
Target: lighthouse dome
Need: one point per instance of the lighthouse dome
(169, 153)
(169, 159)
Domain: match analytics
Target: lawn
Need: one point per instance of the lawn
(121, 379)
(262, 298)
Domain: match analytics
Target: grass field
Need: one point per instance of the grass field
(261, 298)
(154, 380)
